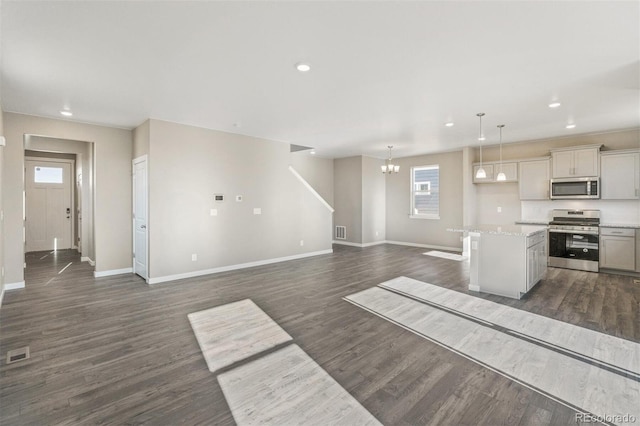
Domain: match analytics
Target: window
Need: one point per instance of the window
(48, 175)
(425, 192)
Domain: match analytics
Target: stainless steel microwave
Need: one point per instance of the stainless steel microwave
(575, 188)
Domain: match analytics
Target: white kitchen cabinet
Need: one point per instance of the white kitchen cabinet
(618, 248)
(534, 180)
(536, 259)
(488, 168)
(576, 162)
(510, 169)
(620, 175)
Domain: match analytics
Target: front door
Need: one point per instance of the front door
(140, 216)
(48, 204)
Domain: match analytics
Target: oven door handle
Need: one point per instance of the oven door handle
(564, 231)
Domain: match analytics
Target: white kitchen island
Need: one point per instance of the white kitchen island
(506, 260)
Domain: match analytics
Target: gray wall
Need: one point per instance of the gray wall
(374, 213)
(112, 218)
(141, 140)
(83, 151)
(491, 196)
(402, 228)
(317, 171)
(192, 164)
(347, 193)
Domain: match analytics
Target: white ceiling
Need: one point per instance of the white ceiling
(384, 73)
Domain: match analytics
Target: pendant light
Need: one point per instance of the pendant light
(389, 167)
(501, 176)
(481, 174)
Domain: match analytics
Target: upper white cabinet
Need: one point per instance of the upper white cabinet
(620, 175)
(492, 169)
(488, 169)
(534, 180)
(576, 162)
(510, 171)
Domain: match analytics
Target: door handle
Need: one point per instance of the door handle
(143, 226)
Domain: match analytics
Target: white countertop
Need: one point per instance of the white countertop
(620, 225)
(507, 230)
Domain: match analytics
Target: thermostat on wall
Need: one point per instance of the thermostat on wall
(218, 197)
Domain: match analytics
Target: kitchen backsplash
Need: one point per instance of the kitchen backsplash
(611, 211)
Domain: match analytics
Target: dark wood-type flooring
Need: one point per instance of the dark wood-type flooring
(115, 350)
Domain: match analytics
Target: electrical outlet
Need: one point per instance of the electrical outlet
(377, 233)
(194, 257)
(257, 210)
(213, 212)
(239, 198)
(3, 271)
(499, 209)
(301, 243)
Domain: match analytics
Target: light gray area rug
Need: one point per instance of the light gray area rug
(287, 387)
(445, 255)
(616, 352)
(580, 385)
(233, 332)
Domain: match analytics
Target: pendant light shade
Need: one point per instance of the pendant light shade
(501, 176)
(390, 167)
(481, 174)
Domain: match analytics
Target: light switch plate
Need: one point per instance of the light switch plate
(257, 210)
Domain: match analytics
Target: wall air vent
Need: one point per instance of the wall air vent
(341, 232)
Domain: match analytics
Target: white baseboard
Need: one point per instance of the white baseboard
(87, 259)
(112, 272)
(166, 278)
(398, 243)
(1, 296)
(474, 287)
(347, 243)
(13, 286)
(429, 246)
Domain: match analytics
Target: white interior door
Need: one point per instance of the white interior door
(140, 189)
(49, 205)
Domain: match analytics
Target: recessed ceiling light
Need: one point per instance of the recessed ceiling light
(571, 126)
(302, 67)
(449, 124)
(312, 153)
(66, 113)
(554, 104)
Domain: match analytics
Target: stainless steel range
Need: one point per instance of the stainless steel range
(573, 239)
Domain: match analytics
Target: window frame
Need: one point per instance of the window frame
(413, 192)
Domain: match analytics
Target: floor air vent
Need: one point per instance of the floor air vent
(18, 355)
(341, 232)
